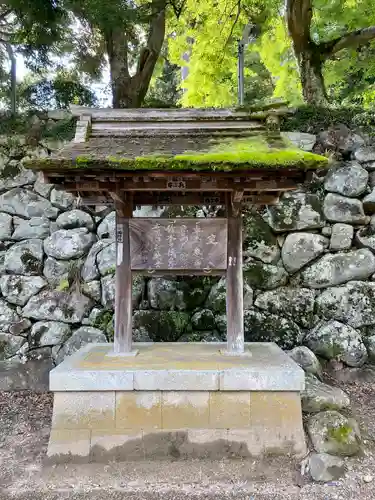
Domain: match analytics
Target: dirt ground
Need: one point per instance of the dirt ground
(24, 428)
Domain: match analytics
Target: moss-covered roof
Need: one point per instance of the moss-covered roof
(197, 153)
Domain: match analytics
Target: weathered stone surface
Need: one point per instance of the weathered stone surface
(93, 290)
(166, 294)
(330, 432)
(348, 179)
(365, 154)
(81, 337)
(353, 304)
(293, 303)
(9, 345)
(300, 140)
(21, 327)
(265, 327)
(264, 276)
(36, 227)
(26, 204)
(41, 187)
(319, 397)
(5, 226)
(369, 203)
(327, 231)
(62, 199)
(259, 240)
(90, 269)
(167, 326)
(296, 211)
(106, 260)
(334, 340)
(339, 138)
(50, 333)
(370, 345)
(216, 300)
(106, 228)
(108, 291)
(8, 316)
(325, 468)
(301, 248)
(221, 323)
(75, 219)
(18, 289)
(56, 270)
(336, 269)
(339, 208)
(25, 257)
(307, 360)
(203, 320)
(57, 306)
(66, 244)
(23, 178)
(341, 237)
(365, 237)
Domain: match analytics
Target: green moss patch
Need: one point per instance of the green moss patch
(226, 155)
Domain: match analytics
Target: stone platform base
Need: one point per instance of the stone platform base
(175, 401)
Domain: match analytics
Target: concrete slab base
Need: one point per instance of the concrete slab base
(176, 401)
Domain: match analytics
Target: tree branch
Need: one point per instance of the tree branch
(350, 40)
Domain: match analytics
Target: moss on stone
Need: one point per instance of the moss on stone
(340, 434)
(31, 263)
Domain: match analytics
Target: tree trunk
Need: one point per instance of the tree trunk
(313, 88)
(13, 78)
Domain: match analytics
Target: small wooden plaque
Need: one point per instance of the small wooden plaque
(178, 244)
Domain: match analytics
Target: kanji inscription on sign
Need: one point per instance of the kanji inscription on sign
(173, 244)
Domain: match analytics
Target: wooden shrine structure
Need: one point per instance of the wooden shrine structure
(177, 399)
(129, 158)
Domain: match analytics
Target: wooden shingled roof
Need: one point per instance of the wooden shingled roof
(207, 151)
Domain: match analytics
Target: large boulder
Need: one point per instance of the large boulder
(6, 227)
(166, 294)
(106, 260)
(58, 306)
(365, 154)
(56, 271)
(26, 204)
(365, 237)
(341, 237)
(25, 257)
(296, 211)
(300, 140)
(18, 289)
(301, 248)
(339, 268)
(264, 327)
(339, 208)
(93, 290)
(106, 228)
(66, 244)
(50, 333)
(333, 433)
(62, 199)
(10, 345)
(264, 276)
(319, 397)
(370, 345)
(203, 320)
(353, 304)
(90, 269)
(307, 360)
(326, 468)
(334, 340)
(348, 179)
(162, 326)
(41, 187)
(259, 240)
(108, 291)
(36, 227)
(216, 300)
(8, 317)
(369, 203)
(75, 219)
(293, 303)
(81, 337)
(23, 177)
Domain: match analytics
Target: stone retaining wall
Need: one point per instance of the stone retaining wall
(309, 267)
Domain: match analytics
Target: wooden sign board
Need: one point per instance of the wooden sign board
(178, 244)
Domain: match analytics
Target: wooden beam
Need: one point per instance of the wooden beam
(123, 293)
(234, 298)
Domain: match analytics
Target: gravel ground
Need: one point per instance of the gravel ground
(24, 428)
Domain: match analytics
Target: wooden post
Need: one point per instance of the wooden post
(235, 328)
(123, 292)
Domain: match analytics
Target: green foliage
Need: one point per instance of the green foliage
(104, 321)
